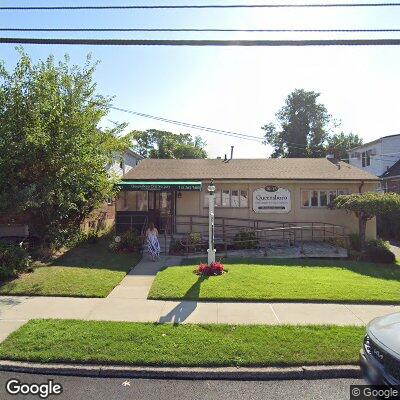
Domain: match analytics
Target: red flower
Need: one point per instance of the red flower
(216, 268)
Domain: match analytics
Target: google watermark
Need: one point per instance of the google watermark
(42, 390)
(361, 392)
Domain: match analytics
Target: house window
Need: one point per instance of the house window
(323, 198)
(319, 198)
(244, 199)
(314, 198)
(305, 198)
(366, 158)
(226, 198)
(235, 201)
(234, 198)
(332, 195)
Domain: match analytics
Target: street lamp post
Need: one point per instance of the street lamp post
(211, 208)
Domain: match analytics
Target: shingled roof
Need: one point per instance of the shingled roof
(268, 168)
(394, 170)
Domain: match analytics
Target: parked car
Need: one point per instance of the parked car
(380, 354)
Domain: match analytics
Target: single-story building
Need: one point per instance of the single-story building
(258, 193)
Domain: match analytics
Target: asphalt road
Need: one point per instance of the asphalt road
(77, 388)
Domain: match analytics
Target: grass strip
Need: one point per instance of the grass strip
(74, 341)
(89, 270)
(283, 280)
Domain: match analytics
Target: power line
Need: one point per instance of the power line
(193, 126)
(207, 129)
(193, 30)
(174, 42)
(199, 6)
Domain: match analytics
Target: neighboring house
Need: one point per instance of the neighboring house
(380, 157)
(262, 193)
(391, 178)
(121, 164)
(124, 162)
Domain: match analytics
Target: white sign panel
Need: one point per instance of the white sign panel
(271, 199)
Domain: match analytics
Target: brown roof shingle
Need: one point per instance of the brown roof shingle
(269, 168)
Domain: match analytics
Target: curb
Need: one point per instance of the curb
(226, 373)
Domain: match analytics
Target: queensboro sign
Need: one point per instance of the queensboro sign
(271, 199)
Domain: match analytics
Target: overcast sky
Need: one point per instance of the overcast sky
(236, 89)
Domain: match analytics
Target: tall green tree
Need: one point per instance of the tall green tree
(339, 143)
(52, 151)
(153, 143)
(302, 126)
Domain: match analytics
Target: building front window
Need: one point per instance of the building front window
(226, 198)
(235, 202)
(319, 198)
(244, 199)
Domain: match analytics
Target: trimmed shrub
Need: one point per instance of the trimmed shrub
(378, 251)
(194, 240)
(128, 242)
(14, 259)
(246, 239)
(176, 247)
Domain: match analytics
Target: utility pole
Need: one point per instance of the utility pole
(211, 217)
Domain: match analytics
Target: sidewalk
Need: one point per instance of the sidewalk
(128, 302)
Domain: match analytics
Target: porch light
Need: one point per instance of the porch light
(211, 204)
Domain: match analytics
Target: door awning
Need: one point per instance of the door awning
(160, 185)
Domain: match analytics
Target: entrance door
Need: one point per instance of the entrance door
(164, 209)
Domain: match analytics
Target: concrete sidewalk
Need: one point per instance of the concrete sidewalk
(128, 302)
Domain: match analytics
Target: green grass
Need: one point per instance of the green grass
(283, 280)
(181, 345)
(89, 270)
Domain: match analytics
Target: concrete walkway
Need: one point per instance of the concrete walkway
(128, 302)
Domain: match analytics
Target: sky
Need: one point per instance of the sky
(230, 88)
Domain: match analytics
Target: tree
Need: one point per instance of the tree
(302, 127)
(338, 144)
(52, 151)
(366, 206)
(161, 144)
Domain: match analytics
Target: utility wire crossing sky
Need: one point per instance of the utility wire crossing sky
(205, 77)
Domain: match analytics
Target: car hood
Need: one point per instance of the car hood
(387, 331)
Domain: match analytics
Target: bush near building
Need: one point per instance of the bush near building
(246, 239)
(14, 259)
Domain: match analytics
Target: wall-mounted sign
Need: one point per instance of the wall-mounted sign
(271, 199)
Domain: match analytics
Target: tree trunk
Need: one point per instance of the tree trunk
(362, 227)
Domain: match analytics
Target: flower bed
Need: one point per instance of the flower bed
(215, 268)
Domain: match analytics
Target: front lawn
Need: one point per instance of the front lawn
(181, 345)
(283, 280)
(89, 270)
